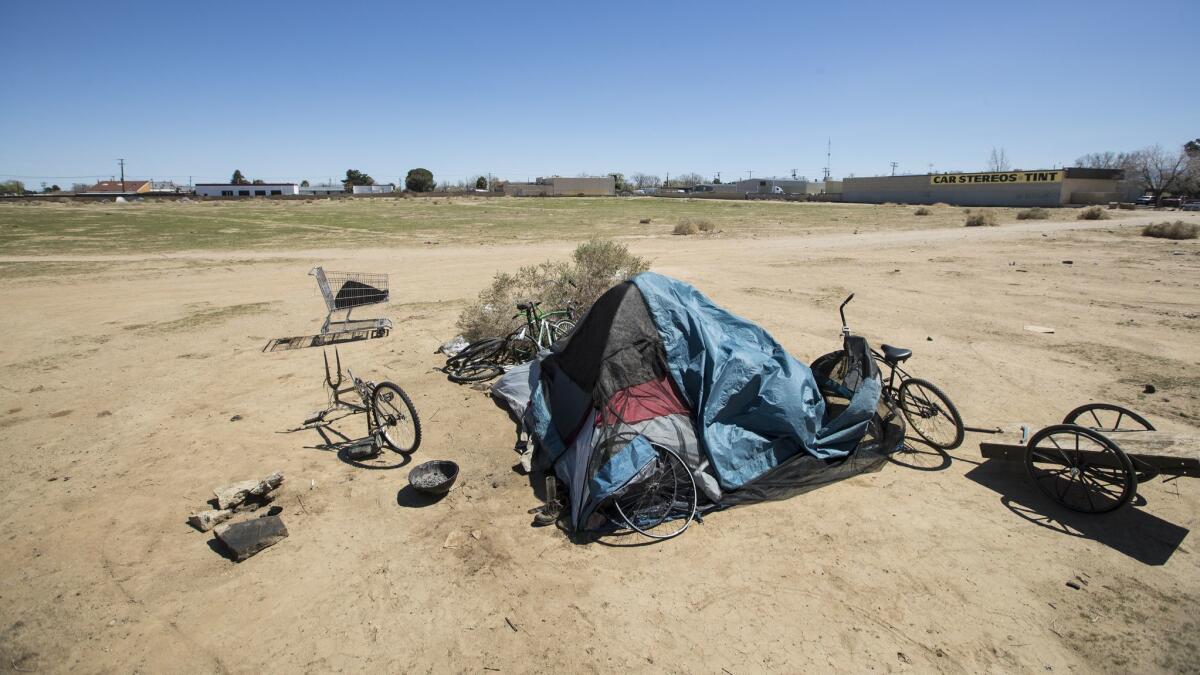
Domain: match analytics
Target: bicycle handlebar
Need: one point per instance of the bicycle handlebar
(842, 312)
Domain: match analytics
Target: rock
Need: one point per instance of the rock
(929, 338)
(207, 520)
(1149, 389)
(255, 502)
(232, 495)
(248, 537)
(644, 221)
(1068, 262)
(235, 418)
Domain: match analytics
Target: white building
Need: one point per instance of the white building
(323, 190)
(260, 190)
(374, 189)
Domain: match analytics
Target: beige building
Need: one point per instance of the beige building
(1046, 187)
(558, 186)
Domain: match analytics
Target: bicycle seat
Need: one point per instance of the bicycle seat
(527, 305)
(895, 354)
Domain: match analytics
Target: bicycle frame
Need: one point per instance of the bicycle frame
(538, 322)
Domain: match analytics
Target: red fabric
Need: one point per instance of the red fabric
(643, 402)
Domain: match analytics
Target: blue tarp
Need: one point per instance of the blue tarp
(754, 405)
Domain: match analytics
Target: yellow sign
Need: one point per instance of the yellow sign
(1005, 178)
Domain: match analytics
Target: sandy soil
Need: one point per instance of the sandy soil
(121, 375)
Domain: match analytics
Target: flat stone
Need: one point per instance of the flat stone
(236, 493)
(207, 520)
(248, 537)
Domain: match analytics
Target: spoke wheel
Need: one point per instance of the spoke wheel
(663, 504)
(561, 330)
(1080, 469)
(522, 349)
(930, 413)
(395, 418)
(474, 372)
(1107, 417)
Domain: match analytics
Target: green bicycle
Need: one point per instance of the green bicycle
(486, 358)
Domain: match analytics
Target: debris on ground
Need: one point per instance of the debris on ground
(248, 537)
(1040, 329)
(207, 520)
(1149, 389)
(453, 347)
(237, 494)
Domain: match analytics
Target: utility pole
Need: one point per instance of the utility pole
(749, 174)
(718, 176)
(828, 154)
(122, 163)
(894, 165)
(793, 174)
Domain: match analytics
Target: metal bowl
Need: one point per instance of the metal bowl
(435, 477)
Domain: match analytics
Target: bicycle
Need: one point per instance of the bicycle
(926, 408)
(484, 359)
(391, 417)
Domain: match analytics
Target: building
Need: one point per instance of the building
(558, 186)
(767, 186)
(116, 187)
(374, 189)
(1044, 187)
(323, 190)
(259, 190)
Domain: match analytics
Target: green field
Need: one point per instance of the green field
(47, 228)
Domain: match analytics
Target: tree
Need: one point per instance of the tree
(53, 188)
(257, 181)
(419, 180)
(688, 180)
(1161, 171)
(13, 187)
(304, 183)
(619, 180)
(998, 161)
(644, 180)
(716, 181)
(1105, 160)
(238, 178)
(481, 183)
(356, 177)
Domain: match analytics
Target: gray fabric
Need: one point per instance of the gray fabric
(514, 387)
(677, 433)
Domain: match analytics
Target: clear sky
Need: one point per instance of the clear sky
(308, 89)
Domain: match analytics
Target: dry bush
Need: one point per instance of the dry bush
(923, 211)
(982, 219)
(888, 204)
(1036, 213)
(1093, 213)
(644, 221)
(689, 226)
(1177, 230)
(595, 266)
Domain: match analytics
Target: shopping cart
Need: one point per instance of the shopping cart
(343, 292)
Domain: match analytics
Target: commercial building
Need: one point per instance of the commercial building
(1045, 187)
(323, 190)
(558, 186)
(259, 190)
(374, 189)
(118, 187)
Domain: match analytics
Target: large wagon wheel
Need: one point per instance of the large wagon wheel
(1110, 418)
(1080, 468)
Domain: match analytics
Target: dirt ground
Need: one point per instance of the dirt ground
(123, 375)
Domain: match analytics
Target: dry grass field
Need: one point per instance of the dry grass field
(134, 382)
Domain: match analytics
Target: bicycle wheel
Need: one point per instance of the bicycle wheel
(561, 330)
(1107, 417)
(396, 418)
(521, 349)
(663, 504)
(474, 372)
(930, 413)
(480, 350)
(1080, 469)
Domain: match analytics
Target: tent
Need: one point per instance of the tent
(656, 363)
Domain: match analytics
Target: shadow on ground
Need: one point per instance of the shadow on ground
(1131, 531)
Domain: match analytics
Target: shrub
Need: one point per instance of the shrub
(689, 226)
(1093, 213)
(594, 267)
(1033, 214)
(1177, 230)
(982, 219)
(923, 211)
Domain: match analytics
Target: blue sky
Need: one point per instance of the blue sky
(306, 90)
